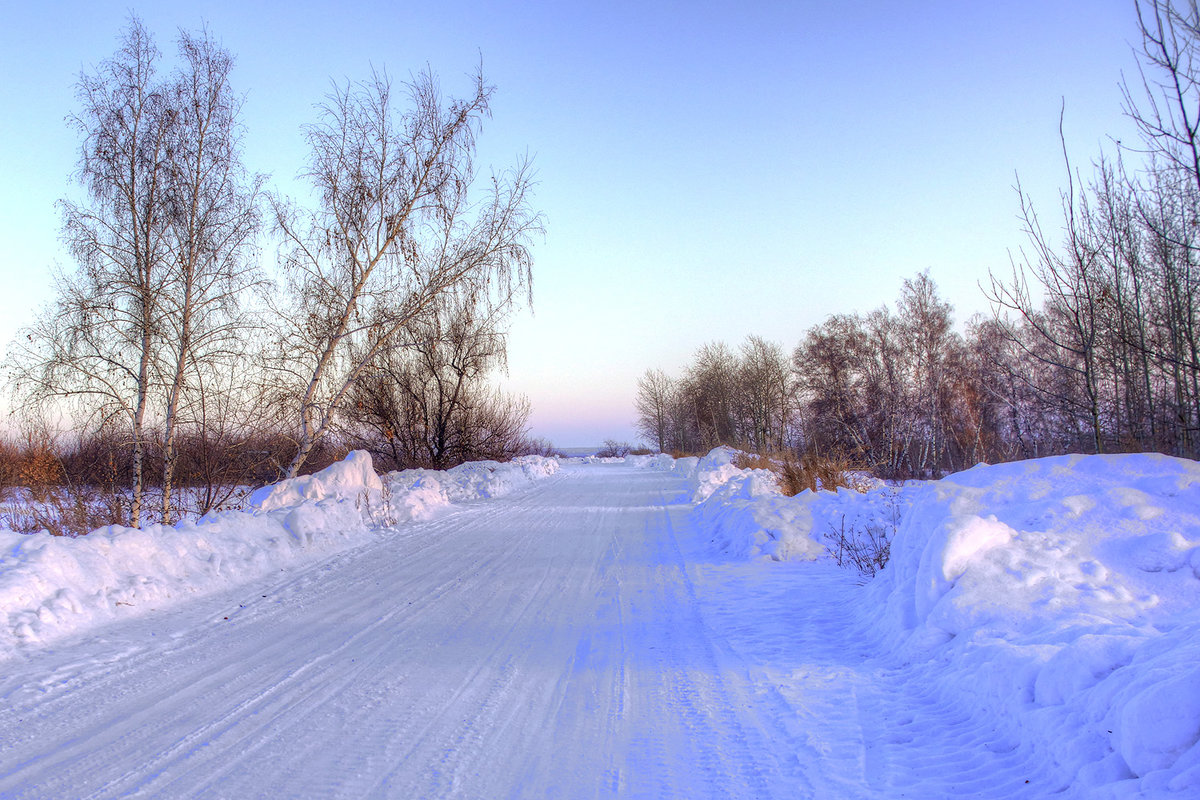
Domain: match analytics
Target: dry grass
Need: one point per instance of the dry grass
(38, 496)
(768, 461)
(812, 471)
(61, 510)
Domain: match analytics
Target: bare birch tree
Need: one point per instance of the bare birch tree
(398, 226)
(213, 219)
(96, 346)
(160, 246)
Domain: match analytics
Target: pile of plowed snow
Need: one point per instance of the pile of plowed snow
(1060, 596)
(52, 585)
(744, 514)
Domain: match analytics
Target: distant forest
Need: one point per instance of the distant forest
(1093, 346)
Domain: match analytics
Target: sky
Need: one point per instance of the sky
(706, 170)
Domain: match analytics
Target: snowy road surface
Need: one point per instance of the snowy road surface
(571, 640)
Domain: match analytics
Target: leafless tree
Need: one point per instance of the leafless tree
(428, 404)
(928, 327)
(96, 347)
(654, 398)
(213, 218)
(1107, 321)
(764, 380)
(711, 387)
(1166, 106)
(397, 228)
(827, 380)
(1069, 285)
(161, 245)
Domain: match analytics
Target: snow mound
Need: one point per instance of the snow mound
(348, 478)
(747, 517)
(51, 586)
(1059, 597)
(1062, 596)
(712, 472)
(417, 494)
(659, 461)
(744, 514)
(686, 466)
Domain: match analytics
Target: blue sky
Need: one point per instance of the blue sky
(707, 170)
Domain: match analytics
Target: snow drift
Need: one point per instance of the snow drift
(50, 585)
(1062, 596)
(744, 514)
(1058, 596)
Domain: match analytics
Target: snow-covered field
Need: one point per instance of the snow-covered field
(643, 628)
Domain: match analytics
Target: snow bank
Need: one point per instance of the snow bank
(746, 517)
(744, 514)
(712, 472)
(346, 479)
(1059, 597)
(1062, 596)
(50, 585)
(659, 461)
(416, 494)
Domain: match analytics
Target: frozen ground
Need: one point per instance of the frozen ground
(639, 629)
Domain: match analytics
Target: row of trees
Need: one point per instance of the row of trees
(1112, 313)
(890, 389)
(1093, 346)
(907, 395)
(389, 307)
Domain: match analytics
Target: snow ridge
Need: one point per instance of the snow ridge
(51, 586)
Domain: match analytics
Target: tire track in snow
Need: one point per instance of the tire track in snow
(736, 751)
(867, 725)
(167, 681)
(573, 640)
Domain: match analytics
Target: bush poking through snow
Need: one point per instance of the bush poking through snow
(376, 507)
(867, 545)
(813, 471)
(827, 470)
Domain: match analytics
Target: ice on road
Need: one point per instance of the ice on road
(569, 640)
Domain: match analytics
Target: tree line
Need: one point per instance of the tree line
(171, 350)
(1093, 344)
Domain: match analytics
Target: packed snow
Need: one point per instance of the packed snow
(639, 627)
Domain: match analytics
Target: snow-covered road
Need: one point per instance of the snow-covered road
(570, 640)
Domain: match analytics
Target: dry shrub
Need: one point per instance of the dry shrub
(614, 449)
(62, 511)
(867, 544)
(813, 471)
(540, 447)
(744, 460)
(10, 467)
(39, 464)
(32, 461)
(39, 495)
